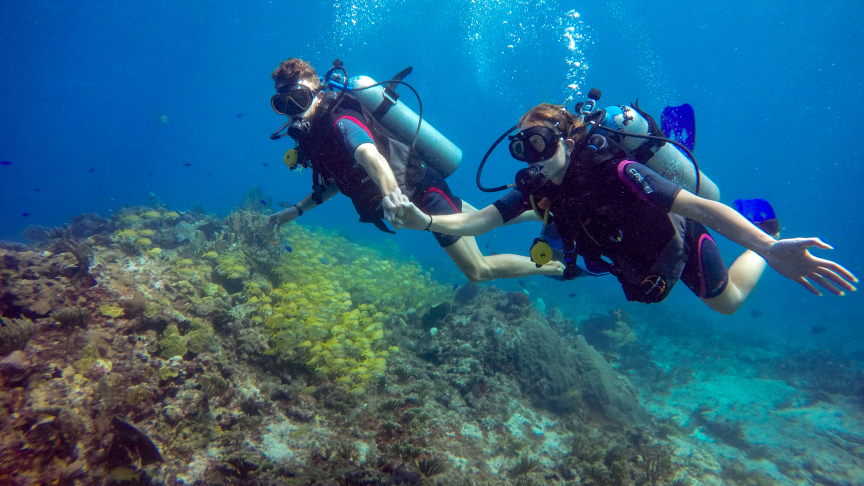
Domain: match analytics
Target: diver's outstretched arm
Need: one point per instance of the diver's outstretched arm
(789, 257)
(307, 203)
(461, 224)
(382, 175)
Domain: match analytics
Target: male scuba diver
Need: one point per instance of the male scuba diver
(625, 219)
(351, 152)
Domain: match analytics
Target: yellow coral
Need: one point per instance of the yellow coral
(622, 335)
(313, 317)
(111, 310)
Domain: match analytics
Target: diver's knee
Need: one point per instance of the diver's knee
(727, 303)
(478, 273)
(475, 275)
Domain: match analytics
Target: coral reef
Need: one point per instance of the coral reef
(202, 350)
(15, 333)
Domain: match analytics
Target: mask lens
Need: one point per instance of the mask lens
(517, 149)
(534, 144)
(538, 142)
(293, 102)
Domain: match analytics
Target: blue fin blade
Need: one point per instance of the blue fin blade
(679, 124)
(755, 210)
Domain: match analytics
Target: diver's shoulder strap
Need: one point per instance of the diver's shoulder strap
(390, 94)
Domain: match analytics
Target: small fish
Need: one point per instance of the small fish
(487, 245)
(755, 313)
(5, 162)
(209, 173)
(285, 204)
(92, 169)
(265, 164)
(36, 189)
(238, 116)
(163, 119)
(492, 253)
(263, 202)
(521, 283)
(25, 214)
(150, 173)
(187, 164)
(572, 295)
(288, 248)
(455, 286)
(818, 329)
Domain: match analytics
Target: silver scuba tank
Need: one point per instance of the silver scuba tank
(435, 149)
(669, 161)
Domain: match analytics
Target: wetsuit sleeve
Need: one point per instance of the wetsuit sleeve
(352, 129)
(648, 185)
(512, 205)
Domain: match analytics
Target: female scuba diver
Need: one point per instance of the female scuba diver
(624, 218)
(351, 152)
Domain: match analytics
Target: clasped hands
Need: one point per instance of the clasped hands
(402, 213)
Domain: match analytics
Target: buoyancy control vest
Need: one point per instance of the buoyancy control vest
(644, 247)
(330, 160)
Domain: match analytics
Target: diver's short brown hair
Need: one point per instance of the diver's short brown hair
(567, 124)
(294, 70)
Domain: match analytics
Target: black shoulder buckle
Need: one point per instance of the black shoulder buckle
(390, 90)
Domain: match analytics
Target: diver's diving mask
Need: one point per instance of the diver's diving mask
(534, 144)
(293, 100)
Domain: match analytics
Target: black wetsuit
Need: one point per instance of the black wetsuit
(620, 210)
(330, 146)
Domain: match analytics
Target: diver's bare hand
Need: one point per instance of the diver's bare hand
(553, 269)
(393, 205)
(413, 218)
(791, 258)
(285, 216)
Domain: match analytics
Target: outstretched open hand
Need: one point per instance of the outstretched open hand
(791, 258)
(276, 220)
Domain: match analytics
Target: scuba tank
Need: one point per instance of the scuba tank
(381, 100)
(668, 161)
(435, 149)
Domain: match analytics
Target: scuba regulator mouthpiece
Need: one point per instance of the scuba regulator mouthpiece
(531, 179)
(298, 128)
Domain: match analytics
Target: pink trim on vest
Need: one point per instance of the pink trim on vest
(358, 122)
(441, 193)
(702, 285)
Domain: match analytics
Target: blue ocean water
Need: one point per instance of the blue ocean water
(104, 103)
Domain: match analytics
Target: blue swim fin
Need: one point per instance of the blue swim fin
(760, 213)
(679, 124)
(755, 210)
